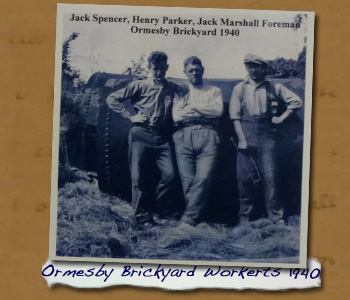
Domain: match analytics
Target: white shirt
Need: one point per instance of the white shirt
(204, 101)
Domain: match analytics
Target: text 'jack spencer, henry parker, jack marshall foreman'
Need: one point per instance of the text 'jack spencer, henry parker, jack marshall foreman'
(182, 21)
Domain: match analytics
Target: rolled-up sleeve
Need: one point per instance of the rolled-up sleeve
(178, 108)
(292, 101)
(218, 103)
(114, 100)
(235, 103)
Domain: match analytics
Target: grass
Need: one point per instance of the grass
(93, 224)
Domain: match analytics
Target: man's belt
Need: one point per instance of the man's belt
(158, 129)
(213, 124)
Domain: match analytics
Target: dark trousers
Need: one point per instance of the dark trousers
(257, 166)
(196, 149)
(151, 162)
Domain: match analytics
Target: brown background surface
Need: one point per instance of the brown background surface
(27, 48)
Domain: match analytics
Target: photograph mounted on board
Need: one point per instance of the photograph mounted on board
(181, 135)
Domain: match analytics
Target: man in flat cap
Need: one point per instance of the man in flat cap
(196, 140)
(259, 108)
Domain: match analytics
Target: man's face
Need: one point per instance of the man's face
(158, 71)
(255, 71)
(194, 73)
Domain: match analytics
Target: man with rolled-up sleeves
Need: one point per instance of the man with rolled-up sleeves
(150, 143)
(196, 139)
(259, 109)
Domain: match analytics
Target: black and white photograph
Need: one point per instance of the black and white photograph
(181, 136)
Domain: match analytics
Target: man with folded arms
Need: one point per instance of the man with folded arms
(196, 140)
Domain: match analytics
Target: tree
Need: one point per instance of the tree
(138, 68)
(71, 111)
(70, 77)
(301, 63)
(288, 68)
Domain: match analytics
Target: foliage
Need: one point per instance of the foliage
(138, 68)
(301, 64)
(288, 68)
(72, 91)
(70, 77)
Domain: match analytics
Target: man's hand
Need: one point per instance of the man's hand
(138, 118)
(281, 118)
(277, 120)
(242, 144)
(242, 141)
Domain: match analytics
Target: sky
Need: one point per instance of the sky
(110, 47)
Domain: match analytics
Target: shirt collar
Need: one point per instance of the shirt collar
(249, 80)
(151, 81)
(191, 86)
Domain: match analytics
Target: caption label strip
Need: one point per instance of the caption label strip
(198, 27)
(172, 277)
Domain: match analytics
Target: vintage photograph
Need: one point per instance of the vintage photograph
(181, 135)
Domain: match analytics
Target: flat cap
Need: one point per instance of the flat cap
(255, 59)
